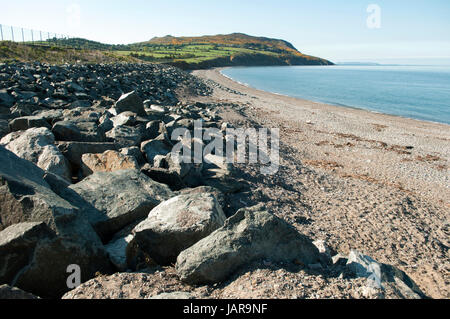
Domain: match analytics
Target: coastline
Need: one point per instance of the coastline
(370, 181)
(219, 70)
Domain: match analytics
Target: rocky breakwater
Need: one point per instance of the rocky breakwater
(88, 179)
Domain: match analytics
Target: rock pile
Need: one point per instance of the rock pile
(87, 178)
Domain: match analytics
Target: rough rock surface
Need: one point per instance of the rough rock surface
(37, 145)
(175, 225)
(26, 197)
(121, 197)
(131, 102)
(13, 293)
(249, 235)
(108, 161)
(381, 275)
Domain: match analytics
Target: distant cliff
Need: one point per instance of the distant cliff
(235, 49)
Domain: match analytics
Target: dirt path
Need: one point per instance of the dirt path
(359, 180)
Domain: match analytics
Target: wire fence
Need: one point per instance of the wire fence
(30, 36)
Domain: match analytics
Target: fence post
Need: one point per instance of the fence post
(32, 37)
(12, 33)
(40, 32)
(1, 31)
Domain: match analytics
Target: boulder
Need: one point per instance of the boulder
(135, 152)
(152, 148)
(249, 235)
(131, 102)
(175, 225)
(26, 122)
(6, 100)
(117, 252)
(37, 145)
(108, 161)
(13, 293)
(381, 275)
(125, 136)
(205, 189)
(75, 131)
(4, 128)
(124, 118)
(163, 175)
(26, 197)
(121, 196)
(17, 244)
(74, 151)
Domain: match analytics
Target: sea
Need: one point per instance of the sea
(417, 92)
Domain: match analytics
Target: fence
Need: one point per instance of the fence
(29, 36)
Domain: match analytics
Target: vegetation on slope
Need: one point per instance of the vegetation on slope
(186, 52)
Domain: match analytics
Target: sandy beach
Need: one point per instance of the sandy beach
(357, 179)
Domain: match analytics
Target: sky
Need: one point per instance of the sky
(384, 31)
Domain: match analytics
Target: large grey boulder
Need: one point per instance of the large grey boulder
(126, 136)
(13, 293)
(131, 102)
(381, 275)
(78, 131)
(37, 145)
(26, 122)
(249, 235)
(121, 197)
(74, 151)
(17, 243)
(4, 128)
(117, 252)
(153, 148)
(175, 225)
(26, 197)
(6, 100)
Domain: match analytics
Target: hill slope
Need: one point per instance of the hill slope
(235, 49)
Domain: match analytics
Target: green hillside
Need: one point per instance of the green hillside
(235, 49)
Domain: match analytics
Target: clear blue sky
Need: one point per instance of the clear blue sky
(333, 29)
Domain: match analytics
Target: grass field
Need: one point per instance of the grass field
(185, 52)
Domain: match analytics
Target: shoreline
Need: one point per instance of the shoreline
(220, 69)
(369, 181)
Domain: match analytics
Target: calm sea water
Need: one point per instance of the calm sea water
(419, 92)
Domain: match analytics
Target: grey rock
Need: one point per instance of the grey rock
(124, 118)
(4, 128)
(37, 145)
(175, 225)
(26, 197)
(135, 152)
(13, 293)
(125, 136)
(78, 132)
(249, 235)
(26, 122)
(131, 102)
(6, 100)
(380, 275)
(117, 252)
(155, 147)
(122, 197)
(73, 151)
(17, 244)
